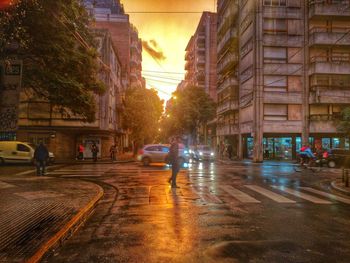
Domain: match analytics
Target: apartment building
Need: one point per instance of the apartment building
(201, 65)
(201, 55)
(110, 14)
(62, 132)
(293, 68)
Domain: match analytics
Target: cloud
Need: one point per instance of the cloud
(152, 48)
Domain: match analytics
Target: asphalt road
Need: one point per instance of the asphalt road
(220, 213)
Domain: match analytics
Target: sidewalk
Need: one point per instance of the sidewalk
(121, 158)
(338, 185)
(36, 213)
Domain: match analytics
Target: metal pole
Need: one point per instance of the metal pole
(347, 178)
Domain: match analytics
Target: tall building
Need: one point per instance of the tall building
(201, 55)
(110, 14)
(62, 132)
(293, 68)
(201, 67)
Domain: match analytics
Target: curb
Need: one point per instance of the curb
(68, 229)
(337, 188)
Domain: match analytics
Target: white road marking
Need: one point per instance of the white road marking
(331, 196)
(302, 195)
(243, 197)
(269, 194)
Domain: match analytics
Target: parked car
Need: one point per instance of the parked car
(51, 155)
(339, 158)
(157, 153)
(15, 152)
(205, 153)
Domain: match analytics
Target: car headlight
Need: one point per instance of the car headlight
(185, 152)
(212, 154)
(200, 153)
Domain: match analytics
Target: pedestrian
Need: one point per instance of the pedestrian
(229, 151)
(81, 152)
(173, 159)
(41, 154)
(222, 150)
(113, 151)
(94, 150)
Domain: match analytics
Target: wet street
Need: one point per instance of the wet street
(220, 213)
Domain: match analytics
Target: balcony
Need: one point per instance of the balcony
(323, 123)
(282, 69)
(200, 60)
(227, 63)
(282, 97)
(226, 40)
(228, 82)
(329, 95)
(189, 64)
(329, 65)
(227, 129)
(282, 12)
(320, 36)
(282, 40)
(327, 11)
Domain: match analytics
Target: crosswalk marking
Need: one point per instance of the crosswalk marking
(243, 197)
(302, 195)
(269, 194)
(331, 196)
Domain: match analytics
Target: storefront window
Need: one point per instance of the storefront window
(347, 144)
(250, 147)
(336, 143)
(298, 144)
(326, 143)
(278, 148)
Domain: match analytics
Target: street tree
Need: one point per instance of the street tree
(343, 124)
(192, 108)
(143, 109)
(57, 48)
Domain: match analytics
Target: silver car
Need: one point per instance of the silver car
(205, 153)
(158, 153)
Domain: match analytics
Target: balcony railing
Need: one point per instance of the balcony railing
(330, 65)
(228, 63)
(321, 9)
(329, 36)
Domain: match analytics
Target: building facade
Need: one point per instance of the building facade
(293, 68)
(63, 132)
(201, 55)
(201, 65)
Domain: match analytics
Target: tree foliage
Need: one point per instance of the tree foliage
(57, 47)
(143, 109)
(344, 123)
(191, 108)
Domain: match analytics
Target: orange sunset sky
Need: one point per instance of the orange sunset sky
(171, 32)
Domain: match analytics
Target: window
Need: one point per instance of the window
(274, 2)
(275, 55)
(275, 112)
(275, 83)
(22, 148)
(275, 26)
(152, 149)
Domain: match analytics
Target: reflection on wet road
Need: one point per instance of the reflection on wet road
(220, 213)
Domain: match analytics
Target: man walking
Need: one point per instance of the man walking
(41, 154)
(94, 151)
(174, 161)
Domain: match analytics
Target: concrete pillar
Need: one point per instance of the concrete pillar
(258, 86)
(305, 133)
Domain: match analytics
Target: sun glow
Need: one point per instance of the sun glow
(168, 31)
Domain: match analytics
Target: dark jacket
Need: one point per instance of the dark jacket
(173, 156)
(41, 153)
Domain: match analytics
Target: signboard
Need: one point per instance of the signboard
(10, 85)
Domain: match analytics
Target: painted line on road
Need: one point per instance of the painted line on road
(302, 195)
(4, 185)
(269, 194)
(331, 196)
(239, 195)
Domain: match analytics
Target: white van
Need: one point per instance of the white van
(15, 152)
